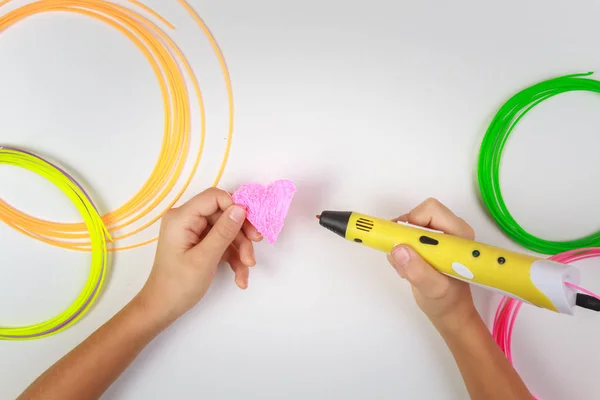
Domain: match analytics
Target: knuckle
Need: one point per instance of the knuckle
(171, 212)
(226, 232)
(432, 202)
(170, 215)
(207, 194)
(413, 214)
(210, 190)
(214, 192)
(469, 231)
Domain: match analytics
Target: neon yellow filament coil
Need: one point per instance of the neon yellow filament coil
(97, 236)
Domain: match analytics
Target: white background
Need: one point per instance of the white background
(366, 105)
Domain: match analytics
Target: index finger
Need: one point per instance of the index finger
(433, 214)
(207, 203)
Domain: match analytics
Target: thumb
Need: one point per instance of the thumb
(422, 276)
(223, 232)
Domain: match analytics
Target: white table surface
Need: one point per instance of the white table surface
(366, 105)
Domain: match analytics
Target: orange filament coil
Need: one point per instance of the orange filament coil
(164, 57)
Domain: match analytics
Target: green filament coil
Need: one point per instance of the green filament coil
(490, 156)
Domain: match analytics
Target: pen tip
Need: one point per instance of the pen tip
(318, 217)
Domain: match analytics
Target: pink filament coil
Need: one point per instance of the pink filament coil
(508, 309)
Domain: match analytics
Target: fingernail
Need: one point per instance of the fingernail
(237, 214)
(401, 256)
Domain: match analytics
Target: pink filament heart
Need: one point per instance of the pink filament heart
(267, 206)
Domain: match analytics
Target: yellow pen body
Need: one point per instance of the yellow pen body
(534, 280)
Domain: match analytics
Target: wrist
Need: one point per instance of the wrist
(152, 311)
(458, 321)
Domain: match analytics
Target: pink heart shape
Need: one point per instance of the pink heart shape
(267, 206)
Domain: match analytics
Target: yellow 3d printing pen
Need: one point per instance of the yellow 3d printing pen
(533, 280)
